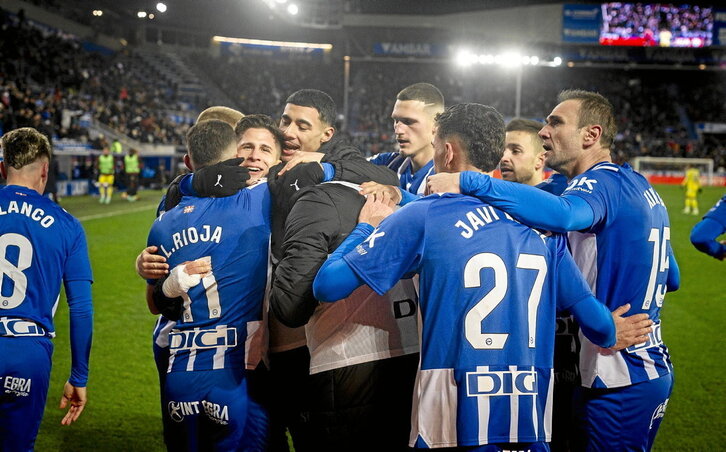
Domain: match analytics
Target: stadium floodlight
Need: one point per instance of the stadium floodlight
(534, 60)
(97, 12)
(465, 58)
(141, 14)
(293, 9)
(557, 61)
(510, 59)
(151, 16)
(161, 7)
(526, 60)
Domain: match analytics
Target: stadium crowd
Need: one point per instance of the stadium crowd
(64, 84)
(47, 76)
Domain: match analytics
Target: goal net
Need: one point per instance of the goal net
(670, 170)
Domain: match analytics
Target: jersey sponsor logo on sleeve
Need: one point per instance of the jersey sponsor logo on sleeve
(371, 240)
(188, 209)
(582, 184)
(501, 383)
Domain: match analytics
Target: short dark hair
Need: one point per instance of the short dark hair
(422, 92)
(594, 109)
(480, 130)
(260, 122)
(524, 125)
(24, 146)
(207, 141)
(316, 99)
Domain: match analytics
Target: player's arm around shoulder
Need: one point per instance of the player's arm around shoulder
(313, 222)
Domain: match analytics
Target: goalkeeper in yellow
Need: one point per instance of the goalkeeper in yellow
(692, 186)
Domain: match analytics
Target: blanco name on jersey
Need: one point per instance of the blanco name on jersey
(27, 209)
(193, 235)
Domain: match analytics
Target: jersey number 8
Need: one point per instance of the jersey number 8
(16, 275)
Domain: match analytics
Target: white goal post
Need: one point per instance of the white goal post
(673, 166)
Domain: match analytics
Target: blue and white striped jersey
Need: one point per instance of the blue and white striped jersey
(226, 306)
(624, 257)
(40, 245)
(488, 292)
(402, 165)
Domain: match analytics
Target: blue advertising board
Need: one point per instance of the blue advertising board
(581, 23)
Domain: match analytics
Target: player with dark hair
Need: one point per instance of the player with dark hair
(413, 122)
(289, 358)
(41, 245)
(523, 160)
(218, 249)
(259, 156)
(620, 238)
(489, 287)
(704, 234)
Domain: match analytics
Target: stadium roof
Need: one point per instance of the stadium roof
(218, 16)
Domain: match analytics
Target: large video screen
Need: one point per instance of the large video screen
(656, 24)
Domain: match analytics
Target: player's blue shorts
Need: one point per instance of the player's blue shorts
(24, 376)
(623, 419)
(503, 447)
(211, 410)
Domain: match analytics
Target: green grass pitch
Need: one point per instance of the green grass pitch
(123, 410)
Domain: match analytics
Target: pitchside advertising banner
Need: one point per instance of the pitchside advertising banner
(719, 27)
(581, 23)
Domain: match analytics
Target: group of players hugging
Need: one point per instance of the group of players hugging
(314, 298)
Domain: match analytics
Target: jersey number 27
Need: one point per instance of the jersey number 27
(475, 316)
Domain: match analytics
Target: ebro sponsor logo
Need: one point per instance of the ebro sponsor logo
(16, 385)
(198, 339)
(214, 411)
(485, 384)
